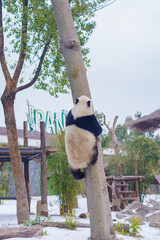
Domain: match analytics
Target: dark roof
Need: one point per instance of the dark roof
(26, 154)
(157, 177)
(146, 123)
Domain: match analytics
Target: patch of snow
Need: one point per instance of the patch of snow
(8, 218)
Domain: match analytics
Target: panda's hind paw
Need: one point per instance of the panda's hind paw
(77, 174)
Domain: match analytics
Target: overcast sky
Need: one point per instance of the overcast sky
(125, 65)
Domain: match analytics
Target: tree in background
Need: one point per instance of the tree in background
(60, 180)
(146, 152)
(137, 146)
(29, 27)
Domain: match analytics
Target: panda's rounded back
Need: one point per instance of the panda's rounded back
(80, 146)
(83, 106)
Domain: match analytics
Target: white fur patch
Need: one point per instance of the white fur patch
(82, 109)
(79, 146)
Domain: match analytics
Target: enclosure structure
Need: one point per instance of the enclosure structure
(34, 154)
(118, 186)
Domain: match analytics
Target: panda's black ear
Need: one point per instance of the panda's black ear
(89, 103)
(77, 100)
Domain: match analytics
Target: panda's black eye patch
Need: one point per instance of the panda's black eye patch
(89, 103)
(77, 100)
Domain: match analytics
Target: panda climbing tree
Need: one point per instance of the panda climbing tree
(96, 187)
(82, 130)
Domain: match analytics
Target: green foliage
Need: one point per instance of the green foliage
(39, 28)
(61, 182)
(45, 233)
(147, 153)
(135, 227)
(121, 133)
(126, 229)
(70, 222)
(140, 147)
(36, 221)
(5, 179)
(122, 228)
(99, 117)
(106, 139)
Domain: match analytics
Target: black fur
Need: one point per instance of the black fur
(77, 100)
(95, 154)
(88, 123)
(77, 174)
(89, 103)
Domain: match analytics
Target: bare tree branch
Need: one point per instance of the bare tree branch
(107, 125)
(114, 123)
(38, 69)
(23, 43)
(2, 55)
(106, 4)
(112, 130)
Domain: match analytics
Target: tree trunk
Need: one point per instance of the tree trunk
(96, 186)
(15, 156)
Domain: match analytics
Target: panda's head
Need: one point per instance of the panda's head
(82, 107)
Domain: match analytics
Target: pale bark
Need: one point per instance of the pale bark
(69, 44)
(114, 138)
(22, 232)
(96, 187)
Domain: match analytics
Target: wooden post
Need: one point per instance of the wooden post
(26, 162)
(122, 169)
(44, 206)
(116, 169)
(25, 134)
(136, 174)
(26, 176)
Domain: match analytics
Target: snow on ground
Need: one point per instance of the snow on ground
(8, 219)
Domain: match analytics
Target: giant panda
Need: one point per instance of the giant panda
(82, 130)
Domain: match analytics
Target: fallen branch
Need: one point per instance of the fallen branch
(23, 232)
(63, 225)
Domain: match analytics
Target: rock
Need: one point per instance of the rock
(153, 217)
(155, 204)
(156, 224)
(135, 205)
(132, 208)
(84, 215)
(120, 216)
(126, 211)
(142, 211)
(132, 218)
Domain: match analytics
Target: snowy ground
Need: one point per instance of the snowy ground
(8, 218)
